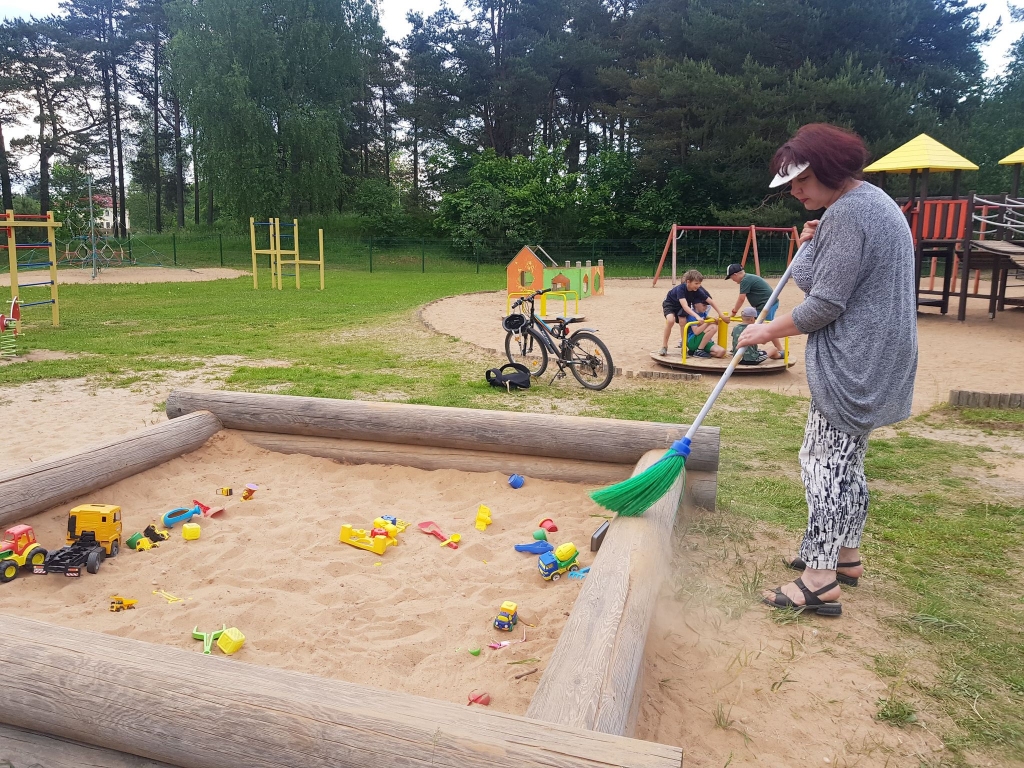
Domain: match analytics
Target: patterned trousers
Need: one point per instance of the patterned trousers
(832, 467)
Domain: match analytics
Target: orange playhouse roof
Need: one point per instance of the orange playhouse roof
(1015, 158)
(919, 154)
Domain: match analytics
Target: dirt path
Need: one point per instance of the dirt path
(137, 275)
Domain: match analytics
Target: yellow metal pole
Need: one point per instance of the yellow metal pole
(12, 257)
(279, 255)
(295, 244)
(723, 334)
(252, 247)
(321, 259)
(51, 232)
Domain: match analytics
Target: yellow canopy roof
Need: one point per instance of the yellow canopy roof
(919, 154)
(1015, 158)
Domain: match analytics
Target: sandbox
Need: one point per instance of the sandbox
(320, 613)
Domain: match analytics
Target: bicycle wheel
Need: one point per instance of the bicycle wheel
(528, 349)
(590, 360)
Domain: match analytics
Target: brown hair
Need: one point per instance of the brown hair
(835, 154)
(693, 274)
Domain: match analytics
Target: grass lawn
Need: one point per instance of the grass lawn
(950, 551)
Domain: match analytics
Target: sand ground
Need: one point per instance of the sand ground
(979, 353)
(274, 568)
(69, 276)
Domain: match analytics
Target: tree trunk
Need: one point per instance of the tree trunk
(122, 223)
(195, 178)
(44, 163)
(108, 108)
(179, 165)
(209, 194)
(156, 127)
(416, 161)
(5, 174)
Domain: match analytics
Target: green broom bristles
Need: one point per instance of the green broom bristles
(639, 493)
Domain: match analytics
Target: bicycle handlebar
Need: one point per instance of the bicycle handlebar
(531, 297)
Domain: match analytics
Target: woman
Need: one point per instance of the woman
(860, 317)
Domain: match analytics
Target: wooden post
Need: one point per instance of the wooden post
(252, 247)
(51, 237)
(321, 237)
(664, 253)
(961, 313)
(616, 441)
(792, 246)
(746, 248)
(12, 258)
(753, 240)
(295, 252)
(675, 248)
(594, 678)
(163, 702)
(44, 484)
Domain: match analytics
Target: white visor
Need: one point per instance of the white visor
(787, 174)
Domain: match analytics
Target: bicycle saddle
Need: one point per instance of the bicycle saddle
(567, 320)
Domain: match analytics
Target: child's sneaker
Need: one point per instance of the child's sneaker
(700, 353)
(663, 351)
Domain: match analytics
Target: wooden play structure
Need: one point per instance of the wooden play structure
(584, 710)
(967, 234)
(36, 261)
(678, 231)
(527, 272)
(280, 256)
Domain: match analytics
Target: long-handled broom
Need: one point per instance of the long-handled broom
(636, 495)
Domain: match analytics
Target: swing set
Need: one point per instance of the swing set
(678, 231)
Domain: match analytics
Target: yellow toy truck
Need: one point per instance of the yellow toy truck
(18, 549)
(553, 564)
(508, 616)
(103, 521)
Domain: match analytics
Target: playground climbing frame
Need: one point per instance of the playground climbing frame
(11, 223)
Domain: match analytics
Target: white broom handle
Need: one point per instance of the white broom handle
(739, 352)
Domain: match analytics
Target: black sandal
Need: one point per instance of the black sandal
(812, 602)
(851, 581)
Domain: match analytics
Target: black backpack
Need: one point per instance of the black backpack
(510, 376)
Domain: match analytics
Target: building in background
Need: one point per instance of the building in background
(103, 209)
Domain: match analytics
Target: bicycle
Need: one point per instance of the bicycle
(530, 340)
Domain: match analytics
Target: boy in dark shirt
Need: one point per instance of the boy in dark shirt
(756, 290)
(679, 304)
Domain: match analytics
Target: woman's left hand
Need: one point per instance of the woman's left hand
(755, 334)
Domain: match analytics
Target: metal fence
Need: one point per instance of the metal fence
(709, 252)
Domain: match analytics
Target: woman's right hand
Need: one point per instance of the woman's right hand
(810, 227)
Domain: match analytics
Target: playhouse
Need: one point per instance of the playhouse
(528, 272)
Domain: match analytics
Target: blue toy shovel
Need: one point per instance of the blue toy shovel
(535, 547)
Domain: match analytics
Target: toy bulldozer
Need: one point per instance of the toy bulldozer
(118, 603)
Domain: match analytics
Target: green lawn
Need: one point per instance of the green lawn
(950, 552)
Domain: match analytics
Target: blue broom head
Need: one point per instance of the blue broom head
(637, 494)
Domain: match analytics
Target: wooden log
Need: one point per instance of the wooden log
(199, 711)
(1016, 400)
(39, 486)
(430, 457)
(701, 487)
(954, 397)
(594, 677)
(616, 441)
(26, 749)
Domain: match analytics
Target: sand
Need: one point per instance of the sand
(978, 354)
(69, 276)
(274, 568)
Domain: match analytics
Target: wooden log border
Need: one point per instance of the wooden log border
(592, 684)
(615, 441)
(44, 484)
(964, 398)
(196, 711)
